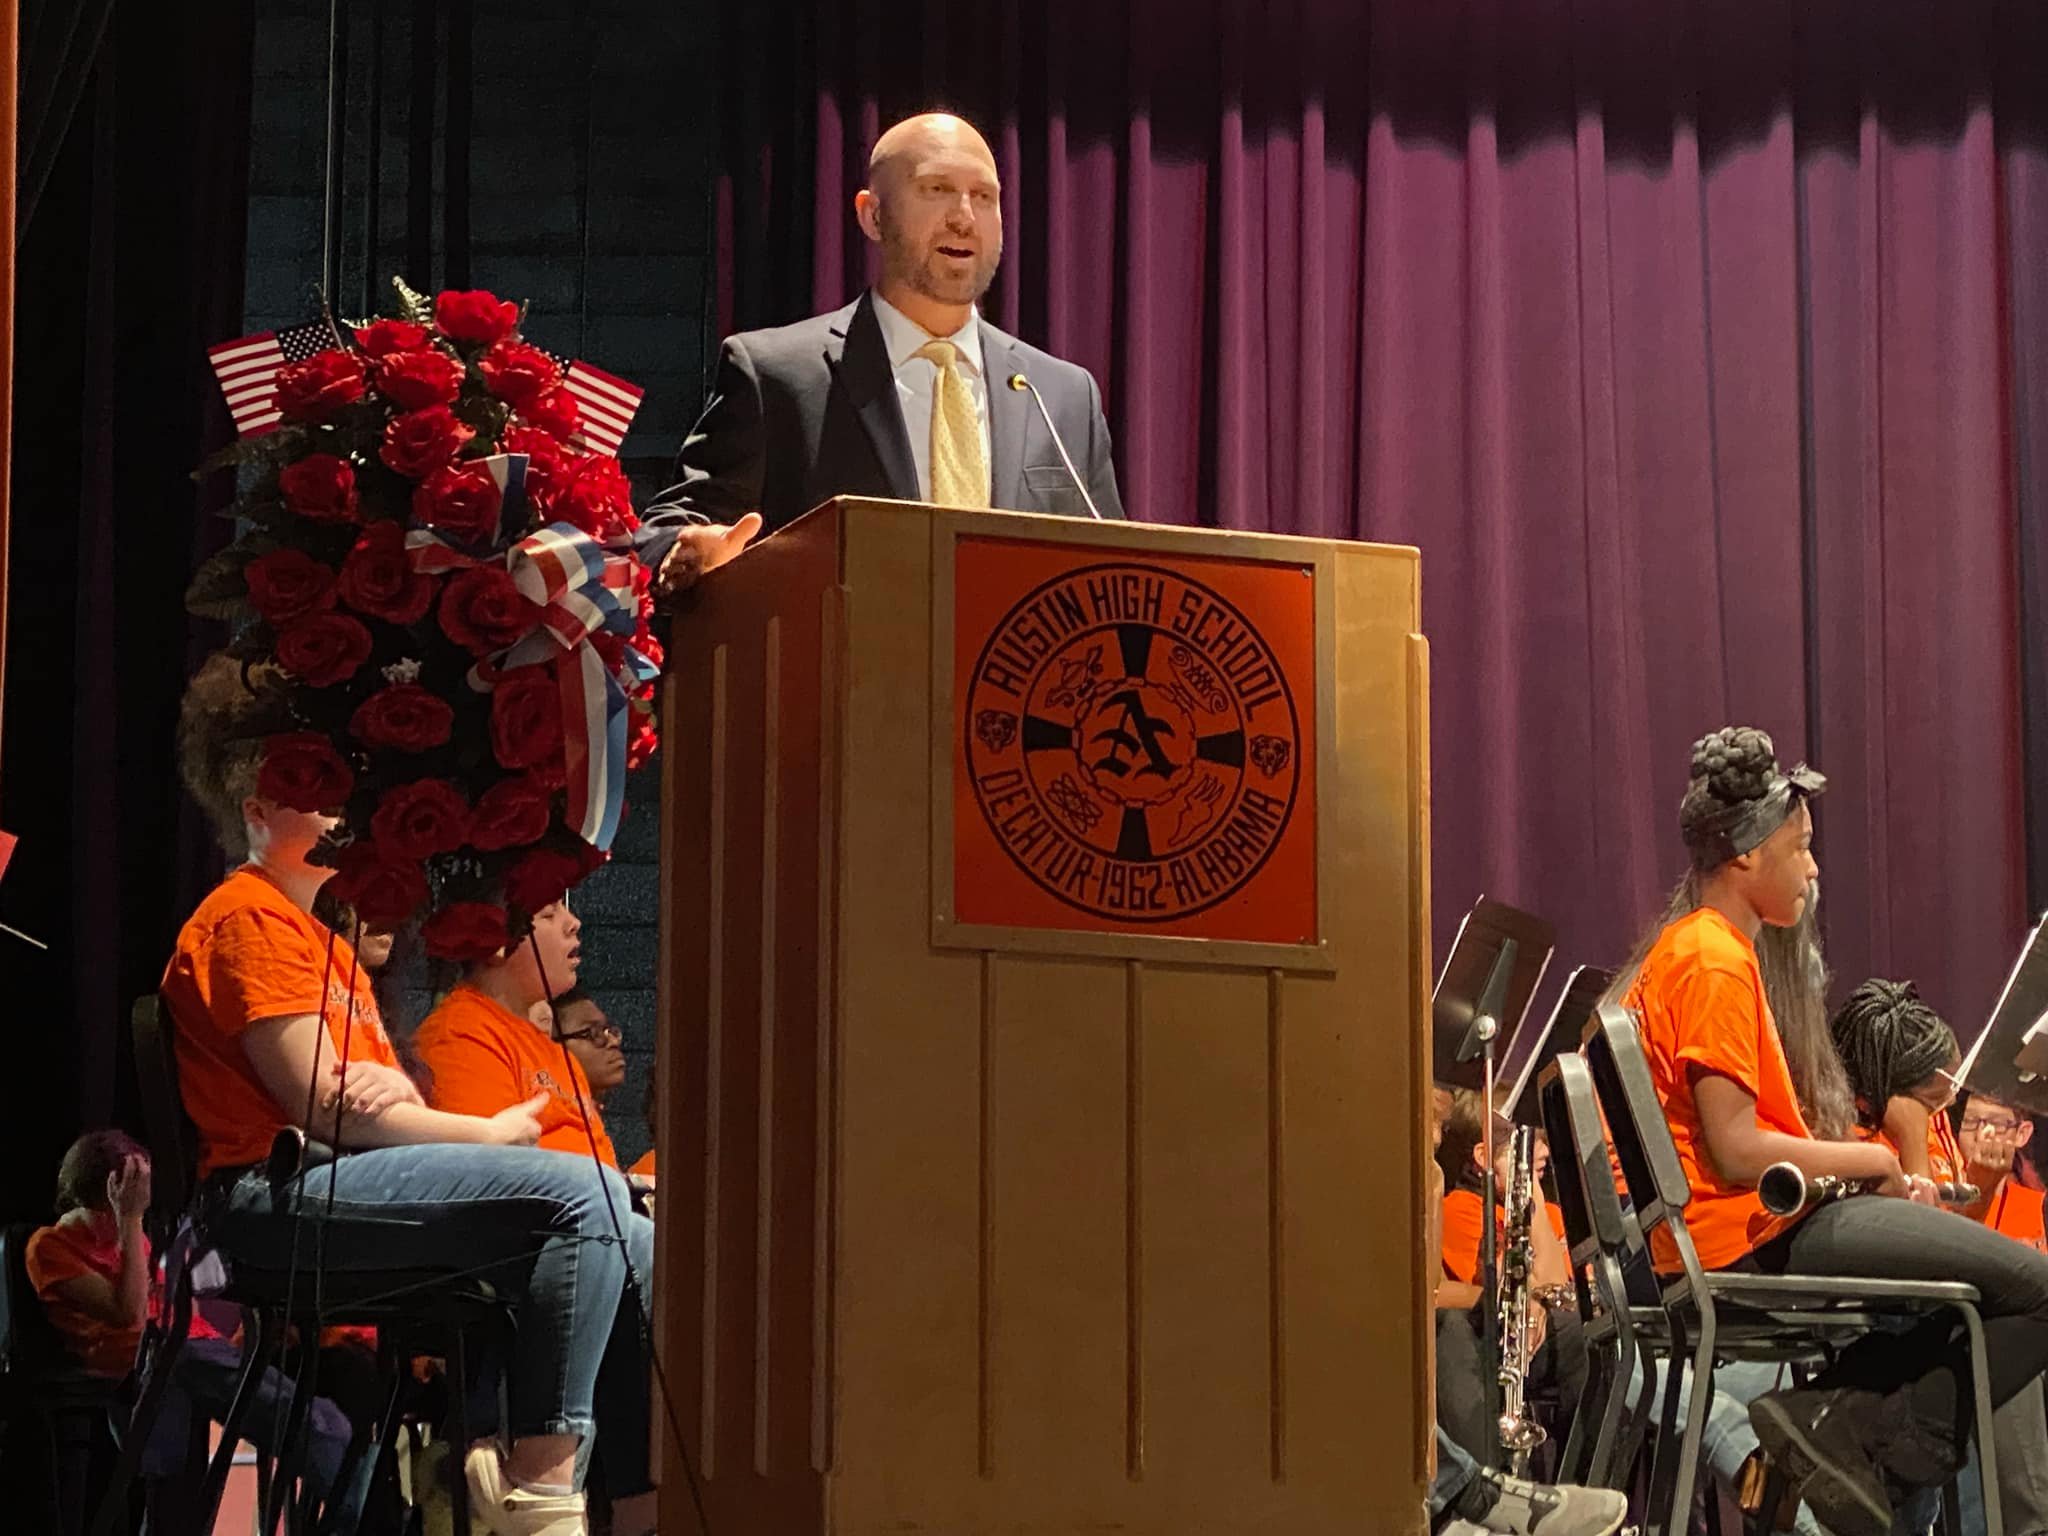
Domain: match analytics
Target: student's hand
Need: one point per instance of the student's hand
(128, 1188)
(1921, 1191)
(1879, 1166)
(700, 548)
(369, 1088)
(519, 1126)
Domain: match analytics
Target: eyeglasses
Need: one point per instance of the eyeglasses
(601, 1034)
(1996, 1125)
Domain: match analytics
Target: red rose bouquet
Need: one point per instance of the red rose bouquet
(446, 576)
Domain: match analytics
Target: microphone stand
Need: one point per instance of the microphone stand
(1018, 381)
(1479, 1041)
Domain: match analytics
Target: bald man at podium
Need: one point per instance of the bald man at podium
(908, 393)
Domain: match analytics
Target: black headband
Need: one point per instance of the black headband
(1731, 830)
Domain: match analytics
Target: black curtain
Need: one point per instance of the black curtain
(131, 264)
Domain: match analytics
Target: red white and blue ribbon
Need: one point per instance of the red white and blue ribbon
(580, 587)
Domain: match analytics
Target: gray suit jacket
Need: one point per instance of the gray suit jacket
(806, 412)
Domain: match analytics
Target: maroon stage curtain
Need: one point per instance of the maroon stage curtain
(1702, 348)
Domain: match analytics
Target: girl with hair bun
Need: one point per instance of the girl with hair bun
(1891, 1415)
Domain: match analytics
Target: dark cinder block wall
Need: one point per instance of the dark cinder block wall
(586, 179)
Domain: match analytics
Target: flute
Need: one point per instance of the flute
(1785, 1190)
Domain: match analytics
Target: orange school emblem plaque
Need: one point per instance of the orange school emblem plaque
(1135, 742)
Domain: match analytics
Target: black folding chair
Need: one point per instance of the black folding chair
(1616, 1320)
(436, 1309)
(1716, 1315)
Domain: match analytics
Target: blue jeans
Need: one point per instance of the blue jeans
(531, 1222)
(1454, 1471)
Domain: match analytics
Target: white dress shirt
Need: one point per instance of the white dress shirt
(917, 381)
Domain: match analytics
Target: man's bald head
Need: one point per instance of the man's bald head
(933, 204)
(930, 135)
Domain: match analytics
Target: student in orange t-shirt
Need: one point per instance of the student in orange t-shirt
(1557, 1362)
(270, 1006)
(1901, 1057)
(482, 1051)
(1890, 1407)
(92, 1272)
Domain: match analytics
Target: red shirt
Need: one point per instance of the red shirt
(70, 1250)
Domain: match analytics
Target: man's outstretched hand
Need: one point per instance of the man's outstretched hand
(702, 547)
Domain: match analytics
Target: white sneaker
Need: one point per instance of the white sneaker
(511, 1511)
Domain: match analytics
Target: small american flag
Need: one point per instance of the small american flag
(606, 404)
(247, 370)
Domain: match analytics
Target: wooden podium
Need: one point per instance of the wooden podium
(1045, 976)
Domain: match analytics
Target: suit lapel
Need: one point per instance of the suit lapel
(859, 360)
(1008, 417)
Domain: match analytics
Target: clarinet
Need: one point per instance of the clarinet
(1785, 1190)
(1519, 1432)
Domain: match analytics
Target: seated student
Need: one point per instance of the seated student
(593, 1040)
(92, 1272)
(1991, 1139)
(258, 989)
(1557, 1363)
(1893, 1410)
(1466, 1499)
(1901, 1058)
(482, 1051)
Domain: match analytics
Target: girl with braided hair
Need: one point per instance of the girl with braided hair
(1887, 1418)
(1901, 1058)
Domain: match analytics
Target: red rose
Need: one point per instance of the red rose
(302, 772)
(418, 820)
(377, 578)
(405, 716)
(381, 338)
(384, 893)
(643, 739)
(526, 718)
(287, 584)
(595, 495)
(647, 645)
(541, 878)
(315, 389)
(511, 814)
(467, 930)
(422, 441)
(517, 373)
(420, 378)
(555, 412)
(323, 649)
(320, 486)
(461, 500)
(482, 611)
(475, 316)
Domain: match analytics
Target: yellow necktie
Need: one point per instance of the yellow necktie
(959, 464)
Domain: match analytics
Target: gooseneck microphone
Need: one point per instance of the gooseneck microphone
(1018, 381)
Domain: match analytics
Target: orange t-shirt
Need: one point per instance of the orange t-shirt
(644, 1169)
(485, 1058)
(69, 1251)
(1944, 1157)
(247, 954)
(2015, 1210)
(1462, 1233)
(1700, 1002)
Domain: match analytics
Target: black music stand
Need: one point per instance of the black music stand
(2009, 1058)
(1534, 1048)
(1481, 999)
(1464, 977)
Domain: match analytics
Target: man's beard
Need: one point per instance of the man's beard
(920, 271)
